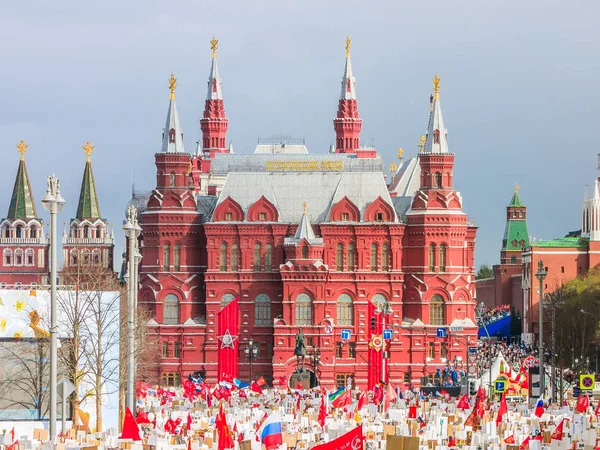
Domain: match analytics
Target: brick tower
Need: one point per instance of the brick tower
(23, 243)
(347, 123)
(88, 241)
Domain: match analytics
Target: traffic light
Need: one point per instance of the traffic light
(472, 390)
(373, 324)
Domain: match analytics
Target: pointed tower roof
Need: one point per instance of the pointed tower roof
(214, 80)
(348, 91)
(305, 230)
(172, 140)
(88, 207)
(22, 205)
(516, 200)
(437, 139)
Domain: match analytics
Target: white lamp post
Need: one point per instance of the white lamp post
(385, 309)
(53, 203)
(132, 232)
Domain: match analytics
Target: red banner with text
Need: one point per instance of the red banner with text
(228, 331)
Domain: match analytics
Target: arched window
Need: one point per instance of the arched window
(99, 232)
(262, 310)
(29, 254)
(379, 301)
(303, 309)
(339, 257)
(443, 350)
(171, 310)
(227, 299)
(73, 257)
(432, 257)
(374, 254)
(223, 257)
(96, 257)
(19, 231)
(385, 257)
(304, 252)
(166, 257)
(256, 259)
(268, 257)
(351, 257)
(176, 258)
(172, 179)
(172, 136)
(442, 257)
(345, 310)
(235, 260)
(437, 180)
(86, 256)
(436, 310)
(33, 233)
(7, 255)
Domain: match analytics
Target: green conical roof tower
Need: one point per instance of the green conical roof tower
(88, 207)
(22, 205)
(516, 200)
(516, 236)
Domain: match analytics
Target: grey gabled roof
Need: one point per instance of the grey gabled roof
(320, 190)
(407, 179)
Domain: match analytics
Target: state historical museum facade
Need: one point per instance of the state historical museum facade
(318, 242)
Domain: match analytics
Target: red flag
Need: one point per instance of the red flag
(254, 387)
(443, 392)
(502, 410)
(557, 434)
(242, 394)
(227, 354)
(322, 412)
(12, 434)
(142, 417)
(481, 394)
(362, 401)
(299, 386)
(463, 403)
(130, 427)
(353, 439)
(188, 424)
(583, 403)
(412, 412)
(390, 396)
(525, 444)
(510, 439)
(261, 382)
(343, 400)
(378, 396)
(452, 442)
(13, 446)
(225, 437)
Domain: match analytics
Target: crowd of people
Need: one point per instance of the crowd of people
(489, 316)
(513, 353)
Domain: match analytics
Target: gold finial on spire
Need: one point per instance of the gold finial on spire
(400, 153)
(348, 46)
(517, 187)
(172, 86)
(393, 167)
(304, 206)
(214, 43)
(421, 144)
(22, 146)
(88, 148)
(436, 87)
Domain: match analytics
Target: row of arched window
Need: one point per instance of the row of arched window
(167, 258)
(87, 257)
(303, 309)
(433, 262)
(378, 259)
(21, 232)
(87, 232)
(261, 259)
(18, 257)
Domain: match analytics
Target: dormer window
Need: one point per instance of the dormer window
(262, 216)
(436, 136)
(379, 217)
(228, 216)
(172, 136)
(345, 217)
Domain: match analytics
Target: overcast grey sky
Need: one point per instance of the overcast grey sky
(518, 90)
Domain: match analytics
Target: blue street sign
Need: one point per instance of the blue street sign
(472, 350)
(441, 332)
(387, 334)
(346, 335)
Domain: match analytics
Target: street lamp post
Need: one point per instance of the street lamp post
(541, 276)
(251, 352)
(132, 231)
(385, 309)
(479, 312)
(53, 203)
(316, 359)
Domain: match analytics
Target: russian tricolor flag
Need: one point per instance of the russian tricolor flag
(270, 432)
(539, 408)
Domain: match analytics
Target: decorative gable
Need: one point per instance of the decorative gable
(263, 211)
(344, 211)
(379, 211)
(228, 211)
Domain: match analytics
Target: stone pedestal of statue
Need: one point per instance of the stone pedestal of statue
(301, 377)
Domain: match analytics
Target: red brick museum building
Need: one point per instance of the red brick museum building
(318, 242)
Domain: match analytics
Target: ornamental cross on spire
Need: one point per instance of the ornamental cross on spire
(400, 153)
(214, 43)
(172, 86)
(22, 146)
(348, 47)
(304, 206)
(436, 87)
(517, 187)
(88, 148)
(421, 144)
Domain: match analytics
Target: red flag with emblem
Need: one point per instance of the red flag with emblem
(322, 412)
(353, 439)
(525, 444)
(463, 403)
(510, 439)
(583, 403)
(227, 354)
(557, 434)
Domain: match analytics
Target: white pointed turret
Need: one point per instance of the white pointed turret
(172, 138)
(214, 80)
(437, 137)
(305, 230)
(348, 91)
(594, 213)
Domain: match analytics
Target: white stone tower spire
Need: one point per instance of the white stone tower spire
(214, 80)
(172, 138)
(437, 136)
(348, 91)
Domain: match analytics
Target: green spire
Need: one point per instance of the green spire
(22, 205)
(516, 235)
(516, 200)
(88, 207)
